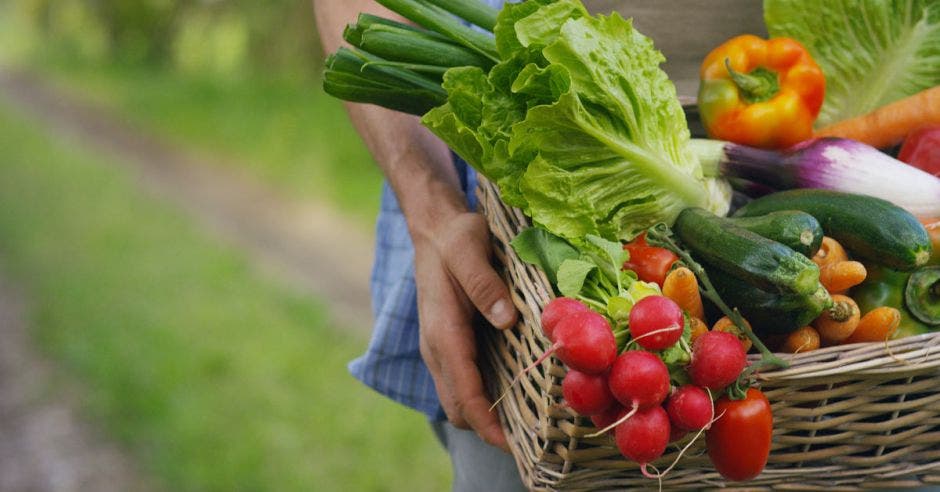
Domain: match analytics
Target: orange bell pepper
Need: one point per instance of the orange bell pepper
(761, 93)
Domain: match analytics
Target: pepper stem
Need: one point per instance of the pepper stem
(759, 85)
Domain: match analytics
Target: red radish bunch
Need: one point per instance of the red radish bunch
(628, 392)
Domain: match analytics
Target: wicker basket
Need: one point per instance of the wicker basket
(847, 417)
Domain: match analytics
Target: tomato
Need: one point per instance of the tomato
(921, 149)
(650, 263)
(739, 441)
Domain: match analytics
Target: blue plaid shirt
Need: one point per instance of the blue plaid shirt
(392, 365)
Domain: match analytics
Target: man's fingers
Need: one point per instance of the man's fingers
(467, 259)
(471, 401)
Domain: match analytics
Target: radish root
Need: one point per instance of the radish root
(659, 476)
(551, 350)
(671, 327)
(623, 419)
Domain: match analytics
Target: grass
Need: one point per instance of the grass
(213, 375)
(286, 131)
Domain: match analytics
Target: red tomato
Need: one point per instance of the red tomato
(650, 263)
(739, 442)
(921, 149)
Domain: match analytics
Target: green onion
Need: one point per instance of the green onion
(402, 45)
(366, 21)
(470, 10)
(360, 77)
(439, 20)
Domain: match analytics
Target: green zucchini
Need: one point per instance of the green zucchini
(797, 230)
(768, 312)
(746, 255)
(870, 228)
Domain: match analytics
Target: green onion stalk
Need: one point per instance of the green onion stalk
(401, 66)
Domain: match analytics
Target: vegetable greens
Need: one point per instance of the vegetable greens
(872, 52)
(577, 124)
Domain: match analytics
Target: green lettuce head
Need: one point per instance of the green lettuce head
(577, 125)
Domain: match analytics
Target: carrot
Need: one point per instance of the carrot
(699, 327)
(829, 252)
(682, 287)
(726, 325)
(802, 340)
(876, 326)
(838, 322)
(841, 276)
(889, 124)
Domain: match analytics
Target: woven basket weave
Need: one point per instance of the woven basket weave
(846, 417)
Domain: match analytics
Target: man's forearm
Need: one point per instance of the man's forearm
(417, 164)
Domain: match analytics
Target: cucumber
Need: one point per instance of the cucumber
(746, 255)
(870, 228)
(797, 230)
(768, 312)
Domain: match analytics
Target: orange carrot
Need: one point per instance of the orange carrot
(802, 340)
(830, 252)
(841, 276)
(838, 322)
(682, 287)
(726, 325)
(699, 328)
(876, 326)
(889, 124)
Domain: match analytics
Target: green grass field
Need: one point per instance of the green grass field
(287, 132)
(213, 375)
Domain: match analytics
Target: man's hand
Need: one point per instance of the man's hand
(452, 269)
(455, 279)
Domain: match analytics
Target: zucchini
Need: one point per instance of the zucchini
(796, 230)
(748, 256)
(768, 312)
(870, 228)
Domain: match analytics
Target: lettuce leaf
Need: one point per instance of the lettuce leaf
(872, 52)
(577, 125)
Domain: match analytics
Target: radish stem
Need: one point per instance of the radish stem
(662, 236)
(633, 410)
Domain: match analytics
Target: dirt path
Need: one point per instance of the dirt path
(45, 445)
(304, 243)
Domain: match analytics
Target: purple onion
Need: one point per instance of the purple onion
(828, 163)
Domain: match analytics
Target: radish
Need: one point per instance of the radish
(656, 322)
(639, 379)
(557, 309)
(675, 433)
(604, 419)
(717, 360)
(584, 342)
(586, 394)
(644, 437)
(690, 408)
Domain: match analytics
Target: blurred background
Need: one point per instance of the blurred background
(185, 239)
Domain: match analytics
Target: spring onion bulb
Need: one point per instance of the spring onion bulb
(828, 163)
